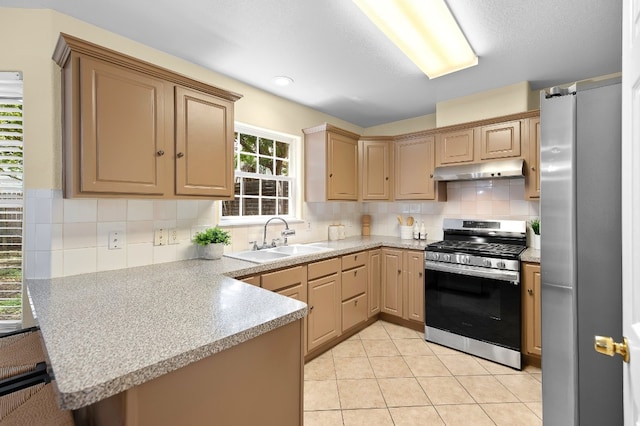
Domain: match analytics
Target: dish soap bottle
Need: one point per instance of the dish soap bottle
(416, 231)
(423, 231)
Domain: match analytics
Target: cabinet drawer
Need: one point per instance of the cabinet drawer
(354, 282)
(323, 268)
(278, 280)
(254, 280)
(354, 260)
(354, 311)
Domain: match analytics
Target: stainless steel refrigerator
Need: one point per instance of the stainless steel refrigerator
(581, 268)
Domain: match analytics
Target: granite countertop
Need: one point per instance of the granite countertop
(110, 331)
(530, 255)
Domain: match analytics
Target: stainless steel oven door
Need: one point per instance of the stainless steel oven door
(479, 303)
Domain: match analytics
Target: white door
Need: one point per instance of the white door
(631, 206)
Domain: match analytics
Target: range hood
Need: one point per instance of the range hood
(494, 169)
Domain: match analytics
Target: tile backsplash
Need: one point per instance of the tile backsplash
(70, 236)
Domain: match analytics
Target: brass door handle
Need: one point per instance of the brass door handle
(530, 291)
(180, 155)
(605, 345)
(160, 153)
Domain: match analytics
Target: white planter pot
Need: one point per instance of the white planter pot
(212, 251)
(535, 242)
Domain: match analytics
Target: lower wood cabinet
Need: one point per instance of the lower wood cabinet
(324, 297)
(253, 280)
(354, 311)
(355, 279)
(532, 326)
(403, 284)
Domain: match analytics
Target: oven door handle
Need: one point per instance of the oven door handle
(493, 274)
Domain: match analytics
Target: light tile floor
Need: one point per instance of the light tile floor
(389, 375)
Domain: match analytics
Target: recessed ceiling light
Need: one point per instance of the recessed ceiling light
(282, 80)
(425, 31)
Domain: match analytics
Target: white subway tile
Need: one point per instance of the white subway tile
(501, 208)
(57, 263)
(468, 208)
(43, 236)
(186, 250)
(500, 193)
(30, 237)
(79, 235)
(139, 210)
(164, 254)
(111, 259)
(139, 254)
(43, 264)
(76, 211)
(79, 261)
(187, 209)
(29, 265)
(112, 210)
(468, 193)
(164, 210)
(484, 207)
(140, 232)
(30, 210)
(57, 210)
(43, 210)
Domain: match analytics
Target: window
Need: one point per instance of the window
(10, 201)
(264, 174)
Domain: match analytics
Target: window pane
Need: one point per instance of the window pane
(283, 206)
(248, 143)
(250, 206)
(251, 186)
(231, 207)
(283, 189)
(282, 150)
(282, 168)
(248, 163)
(266, 166)
(269, 187)
(237, 186)
(266, 146)
(268, 206)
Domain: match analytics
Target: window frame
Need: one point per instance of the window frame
(294, 176)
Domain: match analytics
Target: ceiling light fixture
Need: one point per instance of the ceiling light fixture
(425, 30)
(282, 80)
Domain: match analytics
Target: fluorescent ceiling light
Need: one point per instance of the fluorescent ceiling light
(425, 30)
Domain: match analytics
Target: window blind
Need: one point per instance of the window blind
(11, 200)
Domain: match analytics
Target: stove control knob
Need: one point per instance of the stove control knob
(487, 262)
(501, 264)
(435, 256)
(465, 259)
(447, 257)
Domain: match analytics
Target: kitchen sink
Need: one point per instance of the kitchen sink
(277, 253)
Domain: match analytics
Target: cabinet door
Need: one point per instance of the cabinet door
(500, 140)
(342, 181)
(413, 275)
(204, 144)
(532, 170)
(122, 136)
(532, 320)
(375, 275)
(391, 282)
(414, 165)
(376, 170)
(454, 147)
(324, 319)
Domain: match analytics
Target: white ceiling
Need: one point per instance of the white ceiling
(345, 67)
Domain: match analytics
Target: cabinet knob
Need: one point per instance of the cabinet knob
(431, 176)
(356, 302)
(533, 168)
(355, 273)
(399, 271)
(330, 174)
(160, 153)
(530, 291)
(310, 308)
(419, 274)
(180, 155)
(387, 178)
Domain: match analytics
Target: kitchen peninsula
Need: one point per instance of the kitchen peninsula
(170, 343)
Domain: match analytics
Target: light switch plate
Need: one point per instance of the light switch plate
(115, 240)
(160, 237)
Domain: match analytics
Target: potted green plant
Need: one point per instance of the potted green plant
(535, 238)
(212, 242)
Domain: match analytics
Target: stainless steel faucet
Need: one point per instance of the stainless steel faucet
(285, 233)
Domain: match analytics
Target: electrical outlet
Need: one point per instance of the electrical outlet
(160, 237)
(115, 240)
(173, 236)
(308, 226)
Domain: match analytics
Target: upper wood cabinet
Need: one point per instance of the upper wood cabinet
(500, 140)
(131, 128)
(331, 164)
(376, 160)
(204, 156)
(414, 166)
(532, 160)
(456, 146)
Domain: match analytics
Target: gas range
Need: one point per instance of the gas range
(484, 243)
